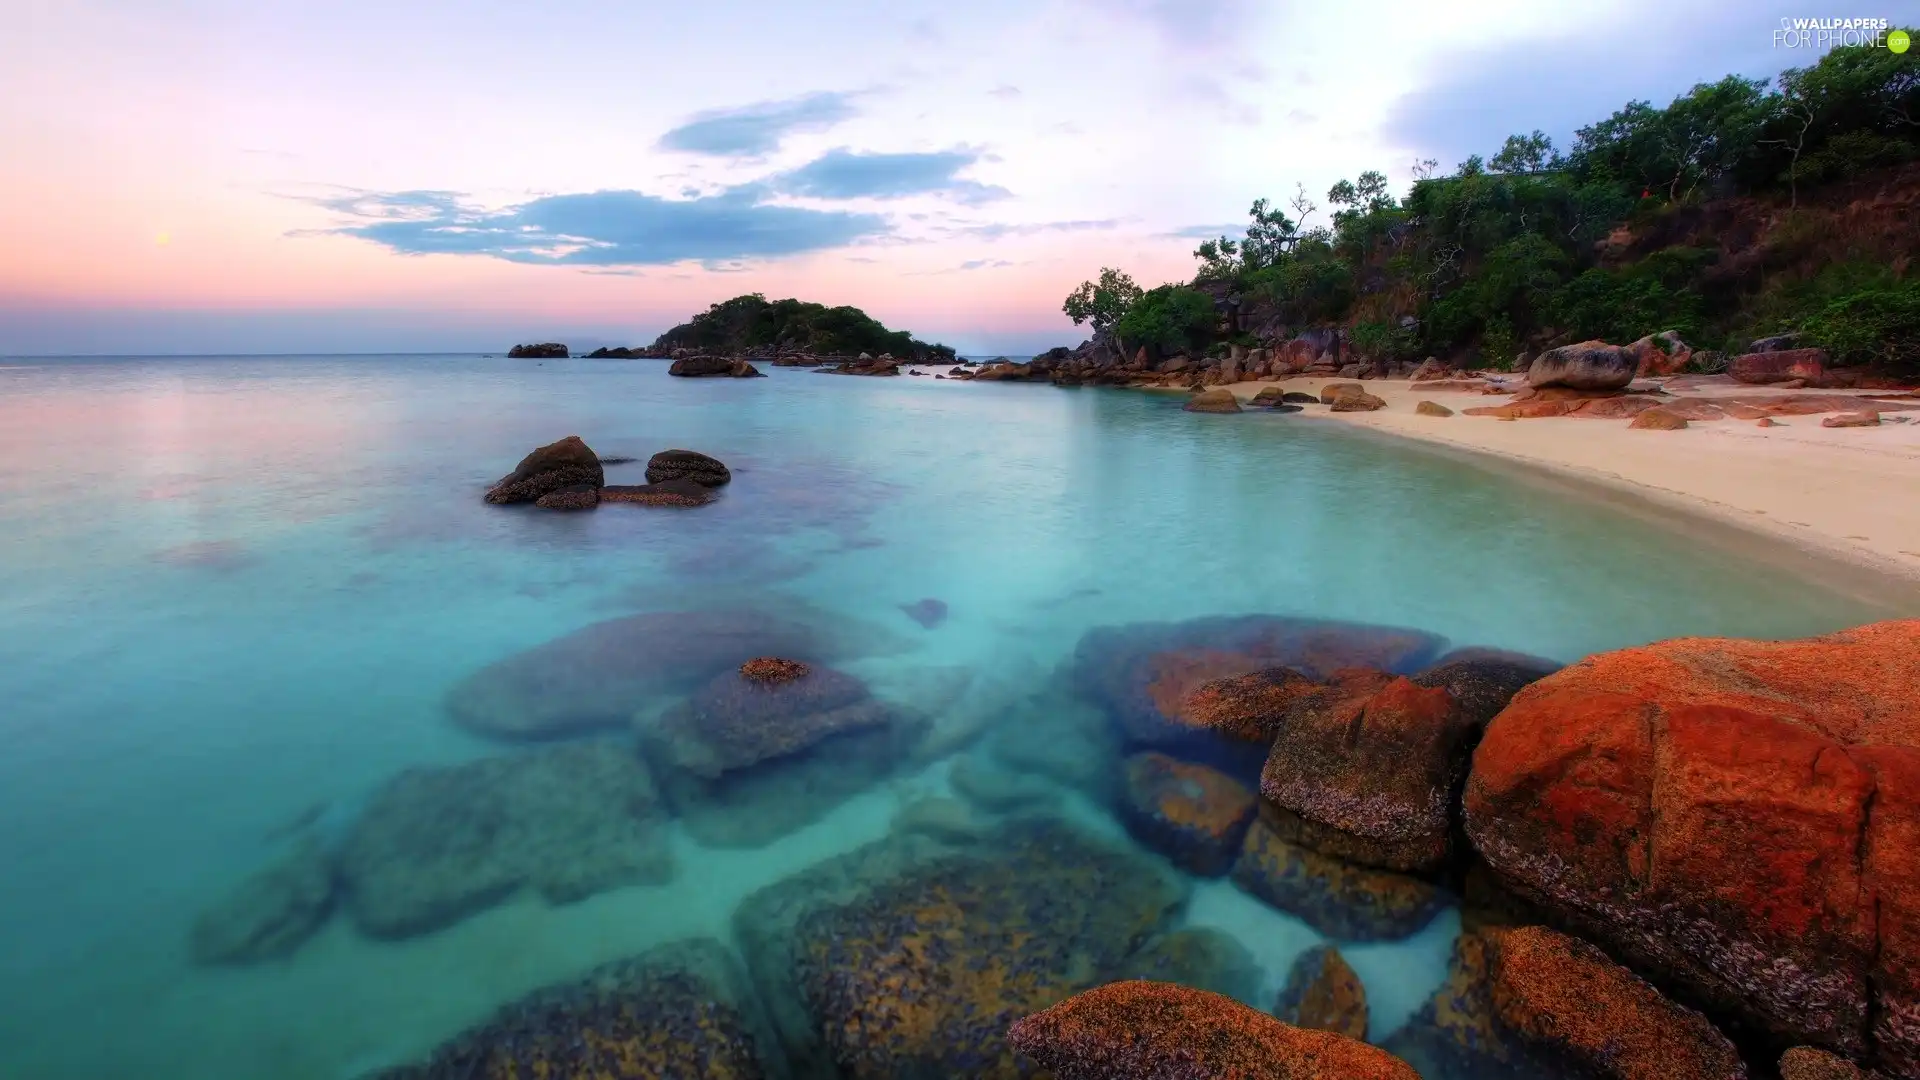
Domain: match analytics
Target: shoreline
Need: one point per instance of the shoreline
(1847, 495)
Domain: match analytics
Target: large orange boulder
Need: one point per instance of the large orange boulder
(1160, 1031)
(1738, 819)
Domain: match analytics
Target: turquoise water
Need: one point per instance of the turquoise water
(237, 591)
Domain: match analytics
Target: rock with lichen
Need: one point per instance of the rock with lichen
(1194, 815)
(1322, 992)
(1342, 900)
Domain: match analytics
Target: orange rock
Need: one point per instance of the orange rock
(1806, 1063)
(1362, 402)
(1658, 420)
(1615, 408)
(772, 669)
(1765, 421)
(1248, 706)
(1741, 410)
(1194, 815)
(1695, 409)
(1432, 408)
(1738, 818)
(1527, 410)
(1853, 419)
(1564, 996)
(1323, 993)
(1780, 366)
(1159, 1031)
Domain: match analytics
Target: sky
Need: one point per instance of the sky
(220, 176)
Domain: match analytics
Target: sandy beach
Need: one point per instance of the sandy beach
(1848, 492)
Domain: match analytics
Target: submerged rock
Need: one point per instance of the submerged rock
(928, 612)
(1456, 1035)
(270, 914)
(679, 1011)
(1200, 957)
(687, 465)
(1323, 993)
(1159, 1031)
(434, 845)
(740, 718)
(1770, 871)
(566, 463)
(1194, 815)
(1341, 900)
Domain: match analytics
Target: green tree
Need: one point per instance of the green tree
(1169, 319)
(1104, 302)
(1523, 153)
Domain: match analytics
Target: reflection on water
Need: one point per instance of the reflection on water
(315, 762)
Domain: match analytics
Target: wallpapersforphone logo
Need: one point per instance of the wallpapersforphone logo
(1823, 34)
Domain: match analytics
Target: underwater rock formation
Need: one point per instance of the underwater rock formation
(928, 612)
(549, 468)
(901, 961)
(434, 845)
(271, 913)
(1341, 900)
(687, 465)
(1323, 993)
(679, 1012)
(1159, 1031)
(1200, 957)
(1739, 819)
(1252, 706)
(1194, 815)
(1456, 1035)
(597, 676)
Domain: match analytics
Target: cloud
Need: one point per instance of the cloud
(1206, 232)
(997, 230)
(846, 174)
(601, 228)
(1188, 25)
(754, 130)
(1005, 92)
(984, 264)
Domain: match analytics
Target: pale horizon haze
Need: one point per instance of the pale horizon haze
(212, 176)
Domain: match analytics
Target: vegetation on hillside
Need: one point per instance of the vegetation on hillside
(752, 322)
(1722, 215)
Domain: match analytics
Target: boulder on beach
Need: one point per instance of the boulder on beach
(271, 913)
(1295, 397)
(679, 1010)
(1217, 400)
(687, 465)
(1161, 1031)
(434, 845)
(1590, 365)
(1778, 366)
(1357, 402)
(1333, 391)
(1269, 396)
(1432, 408)
(566, 463)
(1737, 819)
(1194, 815)
(1660, 354)
(693, 367)
(1657, 419)
(550, 350)
(1342, 900)
(1852, 419)
(1324, 994)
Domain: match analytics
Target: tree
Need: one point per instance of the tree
(1523, 153)
(1103, 303)
(1169, 318)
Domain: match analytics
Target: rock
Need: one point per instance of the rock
(1294, 397)
(1765, 421)
(435, 845)
(999, 789)
(741, 369)
(693, 367)
(897, 960)
(565, 463)
(1566, 998)
(680, 1010)
(1623, 407)
(1213, 401)
(1776, 343)
(270, 914)
(550, 350)
(1380, 769)
(928, 612)
(1200, 957)
(1590, 365)
(1770, 872)
(1269, 396)
(1429, 370)
(1432, 408)
(1324, 994)
(576, 497)
(1251, 706)
(1853, 419)
(1159, 1031)
(1455, 1034)
(1658, 420)
(1341, 900)
(1695, 409)
(1660, 354)
(687, 465)
(596, 677)
(751, 715)
(1484, 681)
(1194, 815)
(1759, 368)
(1333, 391)
(1353, 371)
(1809, 1063)
(946, 819)
(664, 493)
(1357, 403)
(771, 670)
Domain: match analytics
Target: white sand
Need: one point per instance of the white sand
(1849, 492)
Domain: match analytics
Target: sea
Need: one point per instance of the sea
(241, 596)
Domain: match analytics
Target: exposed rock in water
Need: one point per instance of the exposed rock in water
(1339, 899)
(928, 612)
(1213, 401)
(687, 465)
(1323, 993)
(1571, 1003)
(566, 463)
(664, 493)
(1590, 365)
(435, 845)
(1771, 757)
(1194, 815)
(551, 350)
(742, 369)
(270, 914)
(694, 367)
(1159, 1031)
(575, 497)
(773, 669)
(681, 1010)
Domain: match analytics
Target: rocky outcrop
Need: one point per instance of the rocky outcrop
(681, 1010)
(1760, 368)
(1160, 1031)
(1194, 815)
(865, 365)
(1571, 1003)
(434, 845)
(664, 493)
(574, 497)
(566, 463)
(687, 465)
(694, 367)
(551, 350)
(1324, 994)
(1660, 354)
(1590, 365)
(1342, 900)
(271, 913)
(1213, 401)
(1739, 819)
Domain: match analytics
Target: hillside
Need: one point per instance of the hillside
(754, 326)
(1744, 208)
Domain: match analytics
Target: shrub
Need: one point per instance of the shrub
(1878, 325)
